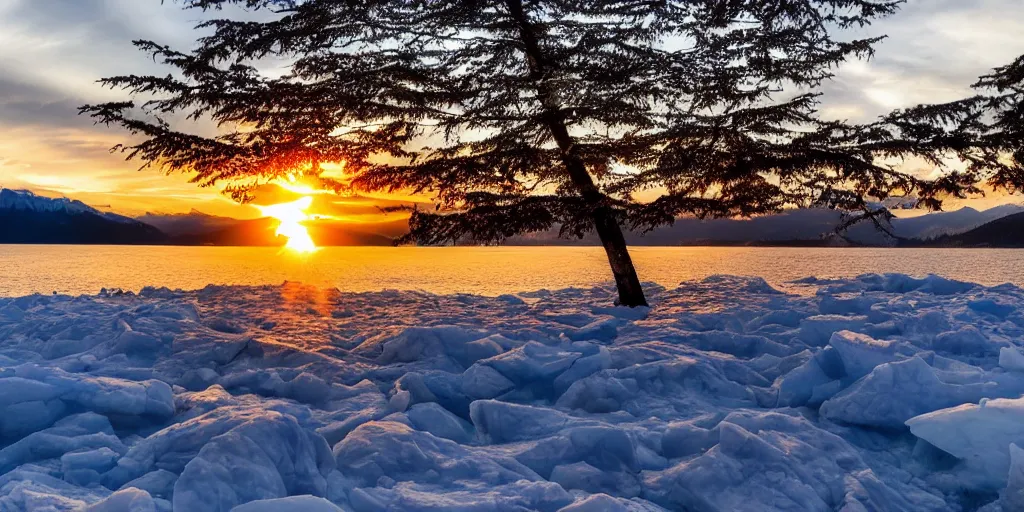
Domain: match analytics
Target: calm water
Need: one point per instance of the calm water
(488, 271)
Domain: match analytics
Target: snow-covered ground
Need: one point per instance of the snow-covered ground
(872, 394)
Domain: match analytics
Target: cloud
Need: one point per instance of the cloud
(933, 52)
(329, 205)
(53, 51)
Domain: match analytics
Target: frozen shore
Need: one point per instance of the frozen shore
(871, 394)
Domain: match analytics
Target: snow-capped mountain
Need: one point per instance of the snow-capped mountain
(32, 219)
(24, 200)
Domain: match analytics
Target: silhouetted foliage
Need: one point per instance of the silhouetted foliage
(523, 115)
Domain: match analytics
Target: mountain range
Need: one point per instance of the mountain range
(29, 218)
(197, 228)
(1005, 232)
(26, 218)
(795, 227)
(32, 219)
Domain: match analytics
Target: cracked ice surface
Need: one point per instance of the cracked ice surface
(869, 394)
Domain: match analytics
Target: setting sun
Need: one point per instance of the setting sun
(292, 215)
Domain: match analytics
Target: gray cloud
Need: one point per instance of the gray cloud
(31, 105)
(934, 51)
(54, 50)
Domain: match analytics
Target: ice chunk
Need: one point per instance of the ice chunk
(583, 368)
(75, 433)
(1013, 495)
(418, 343)
(899, 283)
(224, 325)
(30, 490)
(125, 500)
(604, 447)
(533, 362)
(625, 313)
(584, 477)
(1011, 359)
(23, 418)
(291, 504)
(606, 503)
(159, 483)
(740, 345)
(980, 435)
(266, 457)
(309, 388)
(482, 349)
(517, 496)
(991, 307)
(511, 300)
(482, 381)
(100, 459)
(769, 461)
(860, 353)
(175, 446)
(680, 378)
(896, 392)
(797, 387)
(816, 331)
(437, 386)
(368, 404)
(599, 393)
(505, 422)
(604, 330)
(139, 343)
(124, 401)
(742, 284)
(393, 450)
(194, 351)
(15, 389)
(781, 318)
(682, 439)
(11, 313)
(433, 418)
(84, 467)
(199, 379)
(968, 341)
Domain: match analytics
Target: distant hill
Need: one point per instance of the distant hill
(197, 228)
(192, 223)
(327, 233)
(950, 223)
(1005, 232)
(803, 227)
(26, 218)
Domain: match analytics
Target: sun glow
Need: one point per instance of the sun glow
(299, 188)
(292, 215)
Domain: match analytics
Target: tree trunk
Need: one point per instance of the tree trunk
(630, 292)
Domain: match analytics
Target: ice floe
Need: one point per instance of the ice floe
(883, 392)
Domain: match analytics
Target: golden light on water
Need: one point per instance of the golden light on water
(291, 216)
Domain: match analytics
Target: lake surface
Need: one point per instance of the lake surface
(479, 270)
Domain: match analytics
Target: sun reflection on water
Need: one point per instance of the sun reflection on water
(291, 216)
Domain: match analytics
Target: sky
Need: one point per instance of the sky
(53, 51)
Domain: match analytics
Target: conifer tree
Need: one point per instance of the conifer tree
(526, 115)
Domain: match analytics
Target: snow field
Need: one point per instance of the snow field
(878, 393)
